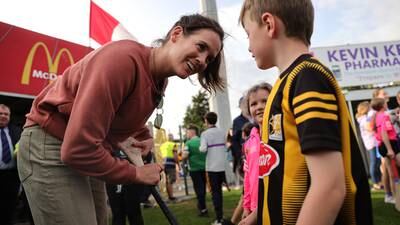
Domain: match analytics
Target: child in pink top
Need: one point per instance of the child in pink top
(386, 136)
(256, 99)
(251, 151)
(384, 130)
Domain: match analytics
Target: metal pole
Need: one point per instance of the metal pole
(219, 103)
(184, 164)
(135, 158)
(357, 133)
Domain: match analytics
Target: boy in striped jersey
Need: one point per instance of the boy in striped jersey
(311, 170)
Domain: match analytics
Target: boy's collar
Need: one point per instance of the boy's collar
(299, 59)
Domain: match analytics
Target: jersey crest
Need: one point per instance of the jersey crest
(275, 127)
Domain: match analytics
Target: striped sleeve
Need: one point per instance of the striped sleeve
(315, 110)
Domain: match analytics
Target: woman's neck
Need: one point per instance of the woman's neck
(158, 64)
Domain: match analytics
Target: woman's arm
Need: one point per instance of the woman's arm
(386, 142)
(102, 87)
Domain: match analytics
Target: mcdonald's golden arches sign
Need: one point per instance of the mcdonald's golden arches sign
(29, 60)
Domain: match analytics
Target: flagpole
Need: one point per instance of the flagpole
(219, 102)
(90, 22)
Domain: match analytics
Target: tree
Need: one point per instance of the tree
(195, 112)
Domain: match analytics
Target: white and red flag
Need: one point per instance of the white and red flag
(104, 27)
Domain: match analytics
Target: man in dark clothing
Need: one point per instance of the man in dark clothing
(237, 140)
(8, 171)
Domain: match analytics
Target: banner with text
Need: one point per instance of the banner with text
(362, 64)
(29, 60)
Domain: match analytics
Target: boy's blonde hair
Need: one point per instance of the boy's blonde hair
(296, 15)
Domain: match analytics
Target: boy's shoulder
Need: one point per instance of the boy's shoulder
(309, 71)
(309, 63)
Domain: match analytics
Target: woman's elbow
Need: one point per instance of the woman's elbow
(66, 157)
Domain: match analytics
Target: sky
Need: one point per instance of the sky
(337, 22)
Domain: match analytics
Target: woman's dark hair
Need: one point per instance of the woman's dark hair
(209, 78)
(246, 129)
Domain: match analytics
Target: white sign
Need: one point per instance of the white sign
(361, 64)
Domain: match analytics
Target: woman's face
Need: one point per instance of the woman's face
(193, 52)
(257, 101)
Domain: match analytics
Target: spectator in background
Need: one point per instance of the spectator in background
(169, 153)
(364, 114)
(197, 168)
(8, 171)
(387, 141)
(230, 176)
(212, 142)
(237, 140)
(381, 93)
(124, 199)
(396, 116)
(256, 101)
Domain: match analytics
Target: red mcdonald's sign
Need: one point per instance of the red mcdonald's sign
(29, 60)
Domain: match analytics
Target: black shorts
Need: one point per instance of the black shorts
(170, 173)
(395, 147)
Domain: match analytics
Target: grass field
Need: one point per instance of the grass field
(186, 212)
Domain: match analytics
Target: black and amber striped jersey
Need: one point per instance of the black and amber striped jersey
(306, 112)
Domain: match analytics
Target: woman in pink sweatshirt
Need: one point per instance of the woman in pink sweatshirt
(102, 103)
(256, 99)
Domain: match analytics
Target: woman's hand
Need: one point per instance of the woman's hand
(131, 144)
(148, 174)
(145, 174)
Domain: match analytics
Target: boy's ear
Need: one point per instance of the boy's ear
(176, 32)
(269, 22)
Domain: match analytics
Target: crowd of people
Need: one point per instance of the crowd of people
(380, 131)
(293, 147)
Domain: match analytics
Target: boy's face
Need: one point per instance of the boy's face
(259, 42)
(190, 133)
